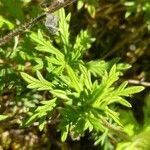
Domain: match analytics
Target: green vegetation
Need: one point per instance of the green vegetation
(69, 89)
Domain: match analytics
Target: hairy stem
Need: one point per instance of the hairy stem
(20, 30)
(117, 130)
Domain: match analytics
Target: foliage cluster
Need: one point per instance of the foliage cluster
(74, 91)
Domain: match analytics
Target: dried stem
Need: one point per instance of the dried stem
(143, 83)
(20, 30)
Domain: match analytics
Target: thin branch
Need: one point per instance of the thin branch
(20, 30)
(115, 129)
(138, 82)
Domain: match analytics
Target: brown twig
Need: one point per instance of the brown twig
(144, 83)
(20, 30)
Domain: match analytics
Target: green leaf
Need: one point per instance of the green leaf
(47, 106)
(64, 133)
(38, 38)
(3, 117)
(122, 86)
(80, 4)
(83, 43)
(32, 119)
(86, 77)
(114, 116)
(4, 21)
(96, 123)
(64, 29)
(42, 123)
(40, 84)
(74, 79)
(61, 94)
(97, 67)
(41, 112)
(44, 45)
(131, 90)
(121, 101)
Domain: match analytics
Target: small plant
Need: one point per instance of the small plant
(140, 135)
(83, 95)
(141, 8)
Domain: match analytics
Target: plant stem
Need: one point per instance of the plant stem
(117, 130)
(20, 30)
